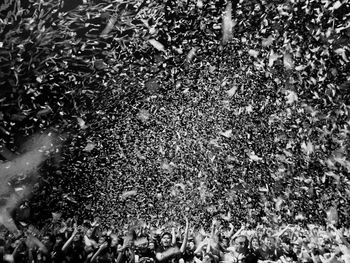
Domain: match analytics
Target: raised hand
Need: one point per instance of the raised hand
(104, 245)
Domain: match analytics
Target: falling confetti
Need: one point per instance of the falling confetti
(227, 24)
(157, 45)
(226, 134)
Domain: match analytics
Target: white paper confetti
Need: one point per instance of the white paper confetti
(157, 45)
(226, 134)
(231, 92)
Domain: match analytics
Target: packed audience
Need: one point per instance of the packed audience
(66, 241)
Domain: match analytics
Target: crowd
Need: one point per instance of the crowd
(66, 241)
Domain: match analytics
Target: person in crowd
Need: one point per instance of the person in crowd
(2, 247)
(126, 250)
(285, 253)
(166, 253)
(57, 254)
(305, 255)
(233, 234)
(104, 253)
(254, 244)
(201, 249)
(73, 249)
(206, 252)
(43, 253)
(314, 233)
(243, 253)
(152, 245)
(324, 244)
(267, 251)
(225, 242)
(143, 251)
(20, 252)
(297, 247)
(86, 244)
(332, 256)
(314, 252)
(189, 255)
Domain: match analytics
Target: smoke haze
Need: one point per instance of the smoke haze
(25, 166)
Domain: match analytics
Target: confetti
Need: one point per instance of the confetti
(157, 45)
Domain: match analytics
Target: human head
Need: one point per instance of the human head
(269, 241)
(105, 239)
(241, 244)
(315, 230)
(166, 239)
(48, 241)
(269, 232)
(78, 238)
(285, 243)
(297, 247)
(15, 243)
(191, 244)
(305, 239)
(152, 244)
(101, 239)
(60, 238)
(259, 231)
(225, 242)
(114, 240)
(142, 242)
(89, 232)
(254, 243)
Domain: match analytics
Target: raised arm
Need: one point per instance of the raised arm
(35, 242)
(168, 253)
(232, 231)
(237, 233)
(70, 240)
(184, 243)
(315, 255)
(94, 257)
(346, 246)
(16, 250)
(280, 233)
(173, 236)
(119, 257)
(201, 245)
(333, 258)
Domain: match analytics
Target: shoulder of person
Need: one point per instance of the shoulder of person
(251, 252)
(159, 249)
